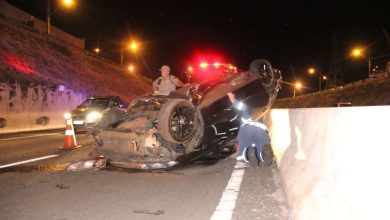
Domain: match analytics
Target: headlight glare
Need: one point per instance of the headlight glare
(67, 115)
(93, 117)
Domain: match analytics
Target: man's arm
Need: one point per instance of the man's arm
(155, 86)
(239, 106)
(177, 81)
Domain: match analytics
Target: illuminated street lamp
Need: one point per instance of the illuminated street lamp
(97, 50)
(49, 13)
(133, 46)
(130, 68)
(312, 71)
(325, 78)
(297, 86)
(358, 52)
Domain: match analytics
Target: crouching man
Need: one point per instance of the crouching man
(251, 133)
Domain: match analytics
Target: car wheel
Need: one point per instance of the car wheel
(251, 155)
(264, 69)
(177, 120)
(266, 156)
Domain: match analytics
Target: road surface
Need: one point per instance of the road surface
(204, 190)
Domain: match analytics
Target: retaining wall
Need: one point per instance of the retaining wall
(35, 107)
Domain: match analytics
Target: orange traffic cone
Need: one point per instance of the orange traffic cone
(70, 138)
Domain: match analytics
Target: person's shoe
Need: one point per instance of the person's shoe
(242, 158)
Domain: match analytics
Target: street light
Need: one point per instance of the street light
(297, 86)
(132, 46)
(358, 52)
(325, 78)
(97, 50)
(66, 3)
(130, 68)
(312, 71)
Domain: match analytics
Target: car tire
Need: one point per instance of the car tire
(263, 68)
(177, 121)
(266, 156)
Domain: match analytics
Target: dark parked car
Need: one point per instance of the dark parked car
(196, 121)
(89, 113)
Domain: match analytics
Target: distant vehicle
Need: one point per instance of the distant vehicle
(89, 113)
(342, 104)
(194, 122)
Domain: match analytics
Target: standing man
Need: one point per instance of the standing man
(250, 132)
(166, 83)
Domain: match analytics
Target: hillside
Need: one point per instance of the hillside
(372, 91)
(30, 57)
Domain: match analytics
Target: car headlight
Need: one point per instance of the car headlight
(67, 115)
(93, 117)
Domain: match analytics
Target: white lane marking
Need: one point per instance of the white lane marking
(32, 136)
(28, 161)
(227, 203)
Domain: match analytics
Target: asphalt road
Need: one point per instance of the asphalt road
(30, 145)
(43, 190)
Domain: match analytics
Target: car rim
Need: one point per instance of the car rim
(181, 123)
(265, 69)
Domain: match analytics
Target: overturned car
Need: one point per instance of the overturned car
(196, 121)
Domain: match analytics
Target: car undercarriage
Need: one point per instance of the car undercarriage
(196, 121)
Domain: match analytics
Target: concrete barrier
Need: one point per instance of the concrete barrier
(334, 161)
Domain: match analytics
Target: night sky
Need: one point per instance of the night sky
(292, 35)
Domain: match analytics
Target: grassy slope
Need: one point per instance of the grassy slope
(373, 91)
(28, 56)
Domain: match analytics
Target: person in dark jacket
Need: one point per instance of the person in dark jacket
(251, 133)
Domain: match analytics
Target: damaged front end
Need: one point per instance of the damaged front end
(138, 139)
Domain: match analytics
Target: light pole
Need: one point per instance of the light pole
(131, 68)
(97, 50)
(297, 86)
(48, 16)
(369, 62)
(357, 52)
(325, 78)
(312, 71)
(133, 46)
(67, 3)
